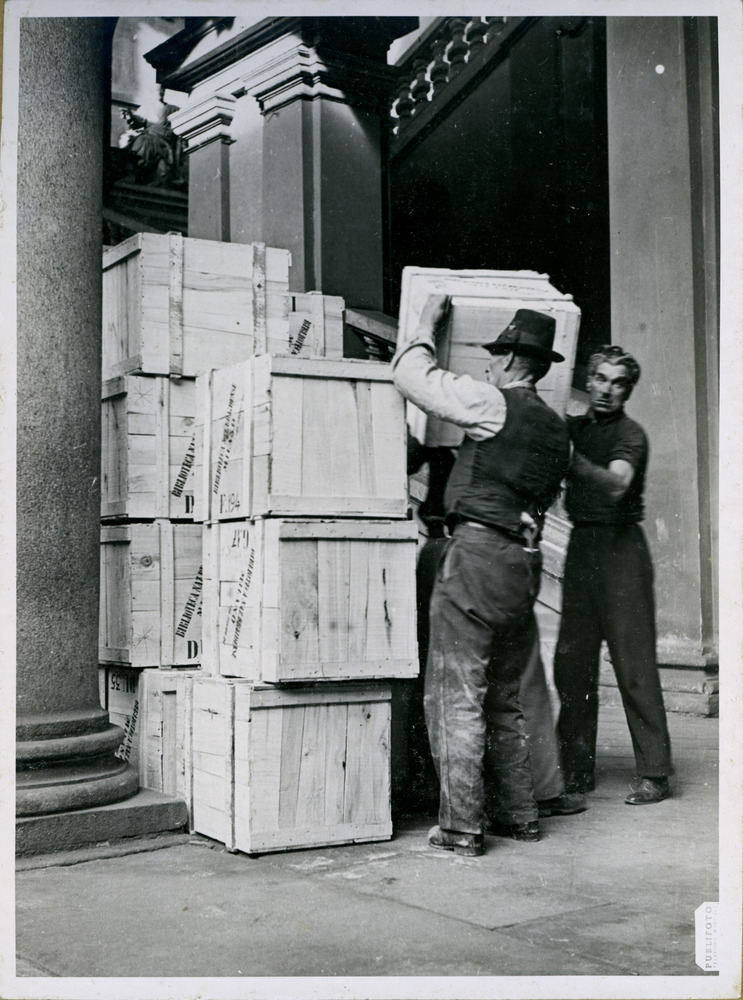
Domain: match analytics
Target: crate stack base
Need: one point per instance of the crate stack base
(174, 307)
(281, 769)
(309, 601)
(153, 707)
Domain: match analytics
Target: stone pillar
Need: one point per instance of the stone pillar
(300, 106)
(65, 751)
(325, 117)
(205, 127)
(663, 215)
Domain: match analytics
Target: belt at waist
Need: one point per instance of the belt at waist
(494, 528)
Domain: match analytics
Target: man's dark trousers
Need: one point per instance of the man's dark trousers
(481, 634)
(608, 594)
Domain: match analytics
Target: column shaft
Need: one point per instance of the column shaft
(65, 748)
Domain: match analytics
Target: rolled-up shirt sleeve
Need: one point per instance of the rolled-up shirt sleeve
(477, 407)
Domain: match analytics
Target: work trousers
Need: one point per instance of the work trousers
(534, 697)
(608, 595)
(481, 634)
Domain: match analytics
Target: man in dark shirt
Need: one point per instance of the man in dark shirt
(608, 587)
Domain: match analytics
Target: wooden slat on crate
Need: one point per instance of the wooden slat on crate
(150, 597)
(175, 305)
(286, 436)
(290, 600)
(148, 448)
(310, 767)
(165, 732)
(483, 304)
(213, 759)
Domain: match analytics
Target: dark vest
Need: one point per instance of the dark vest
(520, 469)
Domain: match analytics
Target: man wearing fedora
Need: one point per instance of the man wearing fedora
(508, 471)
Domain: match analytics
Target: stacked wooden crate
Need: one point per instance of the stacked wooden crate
(309, 602)
(173, 308)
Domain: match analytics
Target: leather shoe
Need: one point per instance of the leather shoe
(648, 791)
(516, 831)
(563, 805)
(471, 845)
(579, 782)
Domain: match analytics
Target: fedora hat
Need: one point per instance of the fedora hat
(530, 333)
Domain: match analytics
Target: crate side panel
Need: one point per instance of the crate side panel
(238, 593)
(367, 790)
(311, 783)
(185, 603)
(386, 440)
(230, 432)
(115, 622)
(336, 623)
(299, 602)
(122, 316)
(286, 440)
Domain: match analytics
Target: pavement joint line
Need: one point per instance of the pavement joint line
(38, 970)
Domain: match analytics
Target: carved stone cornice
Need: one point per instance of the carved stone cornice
(205, 121)
(297, 71)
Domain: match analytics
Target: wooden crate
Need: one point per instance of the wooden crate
(308, 324)
(148, 447)
(178, 306)
(165, 756)
(277, 769)
(292, 600)
(301, 437)
(483, 304)
(122, 699)
(150, 598)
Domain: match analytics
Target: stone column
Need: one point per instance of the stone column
(205, 127)
(306, 171)
(663, 214)
(325, 113)
(65, 750)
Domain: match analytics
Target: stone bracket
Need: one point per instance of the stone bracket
(206, 121)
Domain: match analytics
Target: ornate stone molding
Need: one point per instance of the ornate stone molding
(205, 121)
(297, 71)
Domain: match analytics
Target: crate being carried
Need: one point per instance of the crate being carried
(305, 600)
(483, 303)
(178, 306)
(277, 769)
(150, 598)
(148, 447)
(287, 436)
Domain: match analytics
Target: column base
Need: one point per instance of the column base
(74, 772)
(145, 814)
